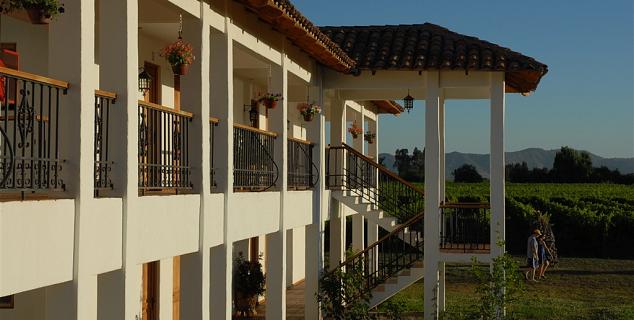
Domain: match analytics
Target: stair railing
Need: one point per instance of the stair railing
(351, 171)
(397, 251)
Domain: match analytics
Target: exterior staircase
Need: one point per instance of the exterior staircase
(395, 261)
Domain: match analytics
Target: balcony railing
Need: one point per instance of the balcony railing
(213, 123)
(163, 149)
(103, 164)
(29, 132)
(465, 227)
(302, 172)
(254, 168)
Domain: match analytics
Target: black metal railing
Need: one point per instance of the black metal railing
(254, 168)
(302, 172)
(397, 251)
(349, 170)
(163, 149)
(465, 226)
(30, 110)
(103, 164)
(213, 123)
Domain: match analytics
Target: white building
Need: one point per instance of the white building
(121, 204)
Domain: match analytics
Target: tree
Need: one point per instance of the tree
(467, 173)
(518, 172)
(402, 162)
(417, 166)
(571, 165)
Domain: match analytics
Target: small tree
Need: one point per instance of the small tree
(342, 295)
(467, 173)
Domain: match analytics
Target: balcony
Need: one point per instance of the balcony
(103, 164)
(30, 111)
(164, 166)
(254, 167)
(302, 172)
(465, 227)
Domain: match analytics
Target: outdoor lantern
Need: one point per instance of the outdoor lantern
(253, 115)
(145, 81)
(408, 102)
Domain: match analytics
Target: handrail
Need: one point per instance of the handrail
(385, 237)
(256, 130)
(166, 109)
(34, 77)
(306, 142)
(465, 205)
(380, 167)
(105, 94)
(214, 120)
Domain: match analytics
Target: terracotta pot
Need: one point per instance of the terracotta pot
(370, 140)
(245, 305)
(354, 135)
(269, 103)
(180, 69)
(308, 117)
(37, 16)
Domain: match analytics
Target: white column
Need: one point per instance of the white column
(221, 62)
(337, 213)
(358, 234)
(432, 194)
(441, 264)
(71, 58)
(276, 242)
(166, 287)
(314, 234)
(498, 230)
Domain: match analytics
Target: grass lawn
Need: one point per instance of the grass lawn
(575, 289)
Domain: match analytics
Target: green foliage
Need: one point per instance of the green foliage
(467, 173)
(48, 7)
(341, 294)
(571, 165)
(248, 277)
(394, 309)
(496, 288)
(410, 168)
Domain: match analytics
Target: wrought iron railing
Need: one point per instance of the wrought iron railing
(30, 110)
(349, 170)
(302, 172)
(254, 168)
(163, 148)
(397, 251)
(103, 164)
(465, 226)
(213, 123)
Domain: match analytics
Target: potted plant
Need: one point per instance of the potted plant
(308, 110)
(369, 137)
(355, 131)
(39, 11)
(248, 283)
(179, 55)
(270, 100)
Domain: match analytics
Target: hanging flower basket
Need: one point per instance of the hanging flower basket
(369, 137)
(38, 11)
(270, 100)
(179, 55)
(308, 110)
(355, 131)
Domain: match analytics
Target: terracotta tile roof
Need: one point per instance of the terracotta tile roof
(388, 106)
(282, 15)
(428, 46)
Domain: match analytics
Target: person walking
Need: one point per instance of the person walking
(544, 256)
(532, 255)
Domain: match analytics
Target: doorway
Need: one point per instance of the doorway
(151, 281)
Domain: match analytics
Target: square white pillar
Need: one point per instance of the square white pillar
(432, 194)
(497, 184)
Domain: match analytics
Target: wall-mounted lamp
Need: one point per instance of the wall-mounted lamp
(408, 102)
(145, 81)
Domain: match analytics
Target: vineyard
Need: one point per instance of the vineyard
(589, 220)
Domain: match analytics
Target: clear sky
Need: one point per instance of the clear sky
(586, 100)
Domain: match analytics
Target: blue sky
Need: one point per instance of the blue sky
(586, 100)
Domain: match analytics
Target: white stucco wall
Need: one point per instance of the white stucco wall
(253, 213)
(36, 244)
(31, 40)
(166, 226)
(214, 220)
(104, 222)
(149, 50)
(299, 205)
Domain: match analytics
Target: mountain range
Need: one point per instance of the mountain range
(534, 158)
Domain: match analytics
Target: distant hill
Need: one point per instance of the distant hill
(534, 158)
